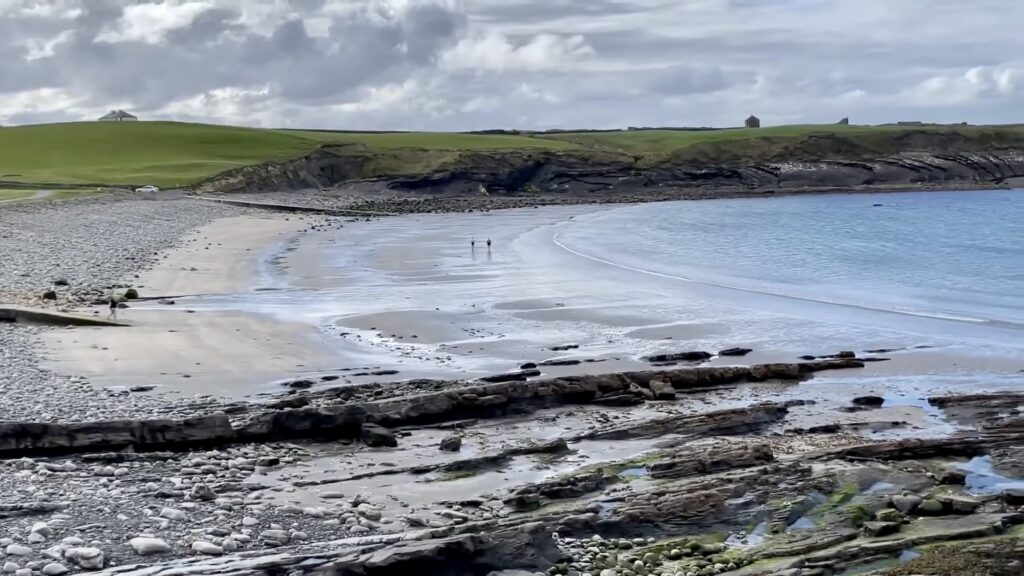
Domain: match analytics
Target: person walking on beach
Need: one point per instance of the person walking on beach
(488, 243)
(113, 309)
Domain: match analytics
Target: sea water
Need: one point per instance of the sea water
(785, 276)
(955, 256)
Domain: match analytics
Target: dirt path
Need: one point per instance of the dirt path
(38, 195)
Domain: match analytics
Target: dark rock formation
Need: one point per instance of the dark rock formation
(334, 417)
(869, 401)
(373, 435)
(815, 161)
(696, 356)
(735, 352)
(451, 444)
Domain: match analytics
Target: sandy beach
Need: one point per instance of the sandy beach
(261, 299)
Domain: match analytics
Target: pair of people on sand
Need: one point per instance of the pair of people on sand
(472, 243)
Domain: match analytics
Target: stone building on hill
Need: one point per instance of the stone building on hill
(752, 122)
(118, 116)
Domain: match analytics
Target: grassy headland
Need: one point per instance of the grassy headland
(170, 154)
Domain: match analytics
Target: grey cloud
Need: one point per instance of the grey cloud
(213, 51)
(647, 62)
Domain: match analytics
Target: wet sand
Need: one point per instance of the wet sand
(186, 351)
(276, 301)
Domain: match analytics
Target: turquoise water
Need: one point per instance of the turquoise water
(955, 256)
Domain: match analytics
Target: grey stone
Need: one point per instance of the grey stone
(207, 548)
(203, 492)
(55, 569)
(172, 514)
(907, 503)
(880, 528)
(930, 507)
(451, 444)
(86, 557)
(144, 546)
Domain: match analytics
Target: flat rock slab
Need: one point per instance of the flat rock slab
(26, 315)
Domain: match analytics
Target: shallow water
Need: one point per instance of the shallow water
(983, 479)
(954, 255)
(784, 276)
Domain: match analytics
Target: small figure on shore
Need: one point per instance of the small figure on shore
(113, 309)
(488, 243)
(472, 243)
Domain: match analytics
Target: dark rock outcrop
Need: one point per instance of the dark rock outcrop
(374, 435)
(869, 401)
(334, 417)
(735, 352)
(694, 356)
(451, 444)
(814, 161)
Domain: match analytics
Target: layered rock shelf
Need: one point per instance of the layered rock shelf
(327, 414)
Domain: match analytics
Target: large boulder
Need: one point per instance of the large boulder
(958, 504)
(906, 503)
(144, 546)
(377, 436)
(692, 356)
(451, 444)
(735, 352)
(662, 390)
(880, 528)
(87, 558)
(869, 401)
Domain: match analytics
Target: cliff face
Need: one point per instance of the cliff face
(809, 163)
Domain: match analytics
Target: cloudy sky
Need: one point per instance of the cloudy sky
(532, 64)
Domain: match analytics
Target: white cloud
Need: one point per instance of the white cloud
(150, 23)
(975, 84)
(232, 103)
(494, 52)
(36, 49)
(41, 101)
(63, 9)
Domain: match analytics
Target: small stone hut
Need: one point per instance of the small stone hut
(752, 122)
(118, 116)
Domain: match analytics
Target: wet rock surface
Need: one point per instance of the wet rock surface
(701, 493)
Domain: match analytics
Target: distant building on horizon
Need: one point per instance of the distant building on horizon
(752, 122)
(118, 116)
(845, 121)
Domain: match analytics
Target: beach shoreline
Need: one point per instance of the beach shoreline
(301, 397)
(259, 300)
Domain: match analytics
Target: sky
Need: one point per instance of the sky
(512, 64)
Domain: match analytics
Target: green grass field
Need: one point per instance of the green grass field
(10, 195)
(171, 154)
(433, 140)
(160, 153)
(668, 141)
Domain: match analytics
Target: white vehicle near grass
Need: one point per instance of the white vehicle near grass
(147, 190)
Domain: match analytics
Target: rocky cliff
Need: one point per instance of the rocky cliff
(759, 164)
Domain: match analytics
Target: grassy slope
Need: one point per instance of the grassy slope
(175, 154)
(806, 142)
(433, 140)
(15, 194)
(160, 153)
(171, 154)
